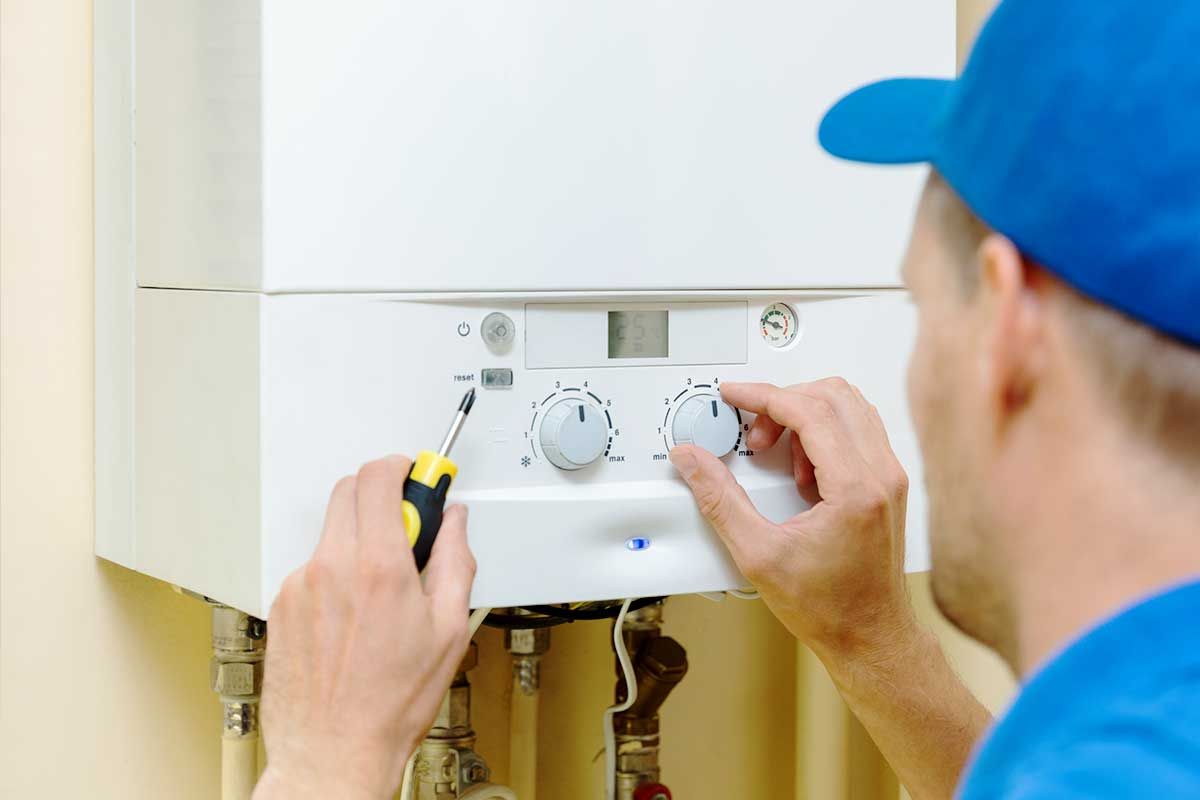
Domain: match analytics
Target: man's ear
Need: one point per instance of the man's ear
(1012, 298)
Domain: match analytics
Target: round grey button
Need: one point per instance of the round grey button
(706, 421)
(498, 330)
(573, 434)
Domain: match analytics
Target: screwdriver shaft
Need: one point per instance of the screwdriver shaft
(460, 417)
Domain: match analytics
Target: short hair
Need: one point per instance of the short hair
(1151, 379)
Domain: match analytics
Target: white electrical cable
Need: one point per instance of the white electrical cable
(477, 618)
(743, 594)
(406, 785)
(610, 738)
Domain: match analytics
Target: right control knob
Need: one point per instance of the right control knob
(706, 421)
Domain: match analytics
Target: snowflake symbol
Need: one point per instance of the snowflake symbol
(525, 461)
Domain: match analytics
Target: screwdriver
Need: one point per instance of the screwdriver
(426, 487)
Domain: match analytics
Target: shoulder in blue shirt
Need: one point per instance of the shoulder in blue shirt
(1115, 715)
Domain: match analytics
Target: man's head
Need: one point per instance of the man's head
(1011, 362)
(1055, 265)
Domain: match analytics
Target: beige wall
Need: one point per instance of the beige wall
(103, 673)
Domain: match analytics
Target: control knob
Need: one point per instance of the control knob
(573, 434)
(706, 421)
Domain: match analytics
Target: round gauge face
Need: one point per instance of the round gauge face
(779, 325)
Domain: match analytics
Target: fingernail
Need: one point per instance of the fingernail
(684, 462)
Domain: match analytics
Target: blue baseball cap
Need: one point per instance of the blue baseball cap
(1074, 130)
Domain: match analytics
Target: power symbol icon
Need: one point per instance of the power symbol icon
(464, 329)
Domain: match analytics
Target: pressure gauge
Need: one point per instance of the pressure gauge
(779, 325)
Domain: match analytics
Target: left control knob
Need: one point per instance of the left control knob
(573, 434)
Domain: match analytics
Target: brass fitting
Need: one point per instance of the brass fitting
(236, 669)
(659, 664)
(527, 646)
(447, 764)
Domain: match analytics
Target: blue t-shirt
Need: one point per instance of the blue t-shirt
(1115, 715)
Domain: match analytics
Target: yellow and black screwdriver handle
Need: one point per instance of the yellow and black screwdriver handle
(425, 500)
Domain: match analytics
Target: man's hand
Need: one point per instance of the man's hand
(359, 653)
(834, 575)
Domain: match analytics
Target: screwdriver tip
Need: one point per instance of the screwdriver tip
(467, 401)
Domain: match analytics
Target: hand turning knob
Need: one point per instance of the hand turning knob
(705, 421)
(573, 434)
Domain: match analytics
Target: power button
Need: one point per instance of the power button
(498, 331)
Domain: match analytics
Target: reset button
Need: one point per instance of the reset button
(497, 378)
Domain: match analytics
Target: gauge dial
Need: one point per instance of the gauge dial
(779, 325)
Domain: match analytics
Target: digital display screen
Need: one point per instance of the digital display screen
(637, 334)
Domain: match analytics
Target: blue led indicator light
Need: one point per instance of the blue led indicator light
(637, 543)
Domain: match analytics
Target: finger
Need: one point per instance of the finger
(337, 535)
(894, 476)
(846, 397)
(863, 423)
(723, 502)
(825, 441)
(884, 440)
(380, 516)
(803, 472)
(764, 433)
(872, 411)
(451, 569)
(855, 414)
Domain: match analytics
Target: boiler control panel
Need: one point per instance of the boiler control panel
(604, 390)
(564, 462)
(564, 459)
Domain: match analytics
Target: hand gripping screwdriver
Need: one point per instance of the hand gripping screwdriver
(426, 487)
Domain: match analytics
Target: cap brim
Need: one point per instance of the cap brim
(890, 122)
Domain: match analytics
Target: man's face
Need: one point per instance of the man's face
(950, 415)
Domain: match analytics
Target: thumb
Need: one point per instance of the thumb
(722, 500)
(451, 568)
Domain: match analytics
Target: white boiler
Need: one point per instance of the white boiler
(318, 224)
